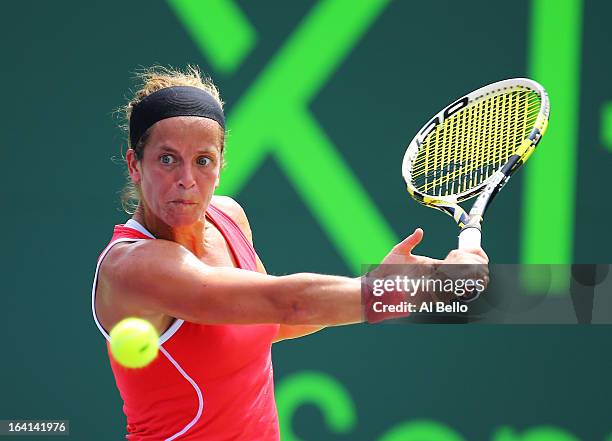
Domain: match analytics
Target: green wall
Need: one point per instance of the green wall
(322, 98)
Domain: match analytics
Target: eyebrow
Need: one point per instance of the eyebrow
(206, 149)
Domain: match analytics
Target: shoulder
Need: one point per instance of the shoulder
(233, 209)
(131, 270)
(228, 205)
(135, 267)
(128, 258)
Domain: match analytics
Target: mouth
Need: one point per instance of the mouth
(183, 202)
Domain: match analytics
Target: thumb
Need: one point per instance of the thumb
(407, 245)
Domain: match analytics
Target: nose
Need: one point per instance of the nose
(186, 179)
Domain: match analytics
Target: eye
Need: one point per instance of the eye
(203, 160)
(167, 159)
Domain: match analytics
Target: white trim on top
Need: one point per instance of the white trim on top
(162, 339)
(95, 282)
(130, 224)
(135, 225)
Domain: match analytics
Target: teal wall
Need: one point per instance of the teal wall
(317, 92)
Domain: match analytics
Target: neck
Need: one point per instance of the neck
(189, 236)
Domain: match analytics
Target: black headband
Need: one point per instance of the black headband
(170, 102)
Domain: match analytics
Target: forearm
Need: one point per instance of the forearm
(319, 300)
(229, 295)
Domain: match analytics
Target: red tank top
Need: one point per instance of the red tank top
(209, 382)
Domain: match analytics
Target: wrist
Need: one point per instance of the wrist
(380, 304)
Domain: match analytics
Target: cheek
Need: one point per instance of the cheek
(209, 177)
(154, 185)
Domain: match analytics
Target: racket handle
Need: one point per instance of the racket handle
(469, 238)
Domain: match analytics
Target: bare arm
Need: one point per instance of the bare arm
(159, 276)
(288, 332)
(234, 209)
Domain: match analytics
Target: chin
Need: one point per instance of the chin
(184, 218)
(181, 222)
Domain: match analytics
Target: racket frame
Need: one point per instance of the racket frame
(470, 224)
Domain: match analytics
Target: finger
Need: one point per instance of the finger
(482, 253)
(478, 252)
(407, 245)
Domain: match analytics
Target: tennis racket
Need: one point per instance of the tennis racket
(472, 147)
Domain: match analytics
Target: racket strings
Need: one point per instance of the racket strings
(467, 148)
(480, 154)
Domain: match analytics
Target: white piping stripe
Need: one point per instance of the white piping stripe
(171, 331)
(166, 335)
(95, 282)
(135, 225)
(198, 391)
(163, 338)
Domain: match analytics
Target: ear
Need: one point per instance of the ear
(133, 166)
(222, 159)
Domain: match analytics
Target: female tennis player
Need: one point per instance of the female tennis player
(185, 262)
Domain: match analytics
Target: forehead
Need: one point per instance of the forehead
(186, 132)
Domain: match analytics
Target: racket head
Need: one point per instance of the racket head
(457, 152)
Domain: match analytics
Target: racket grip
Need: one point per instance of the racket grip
(469, 238)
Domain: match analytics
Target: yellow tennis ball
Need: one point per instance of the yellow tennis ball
(134, 342)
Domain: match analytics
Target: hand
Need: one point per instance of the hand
(466, 264)
(401, 254)
(413, 265)
(400, 263)
(472, 263)
(468, 256)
